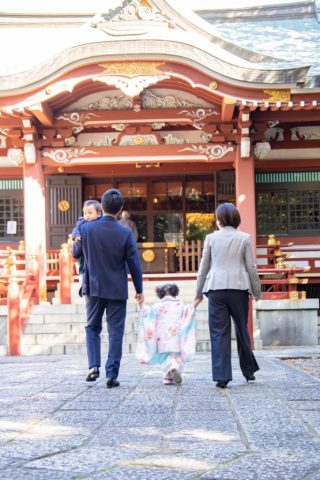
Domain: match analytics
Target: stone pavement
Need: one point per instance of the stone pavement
(54, 425)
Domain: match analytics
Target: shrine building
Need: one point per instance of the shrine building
(180, 109)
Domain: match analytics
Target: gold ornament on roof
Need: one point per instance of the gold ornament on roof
(213, 85)
(277, 96)
(64, 205)
(132, 69)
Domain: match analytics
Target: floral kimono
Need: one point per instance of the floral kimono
(166, 334)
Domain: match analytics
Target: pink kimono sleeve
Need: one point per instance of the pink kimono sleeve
(147, 342)
(188, 333)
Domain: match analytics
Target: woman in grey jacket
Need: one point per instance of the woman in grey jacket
(227, 276)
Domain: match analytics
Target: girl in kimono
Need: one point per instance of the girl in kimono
(167, 333)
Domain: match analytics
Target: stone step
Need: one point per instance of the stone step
(187, 289)
(60, 309)
(60, 329)
(80, 349)
(133, 317)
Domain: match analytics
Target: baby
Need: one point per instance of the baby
(92, 210)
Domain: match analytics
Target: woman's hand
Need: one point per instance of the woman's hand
(196, 301)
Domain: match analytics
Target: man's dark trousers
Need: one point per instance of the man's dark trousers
(116, 314)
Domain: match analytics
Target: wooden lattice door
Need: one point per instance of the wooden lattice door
(64, 207)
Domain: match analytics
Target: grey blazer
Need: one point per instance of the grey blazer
(227, 263)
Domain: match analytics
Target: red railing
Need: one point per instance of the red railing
(19, 286)
(23, 293)
(19, 290)
(281, 283)
(61, 270)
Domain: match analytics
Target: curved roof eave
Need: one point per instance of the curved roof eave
(201, 57)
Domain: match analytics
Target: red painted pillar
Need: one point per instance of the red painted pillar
(246, 203)
(245, 194)
(35, 219)
(14, 320)
(65, 274)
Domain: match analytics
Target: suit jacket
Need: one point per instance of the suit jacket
(108, 247)
(227, 263)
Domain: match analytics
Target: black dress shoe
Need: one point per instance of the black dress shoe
(251, 378)
(93, 374)
(112, 382)
(222, 384)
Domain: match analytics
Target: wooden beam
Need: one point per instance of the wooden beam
(223, 153)
(43, 112)
(227, 109)
(288, 117)
(104, 118)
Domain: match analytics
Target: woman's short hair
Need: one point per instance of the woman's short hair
(228, 215)
(167, 289)
(112, 201)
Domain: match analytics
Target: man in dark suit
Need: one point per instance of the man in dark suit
(107, 247)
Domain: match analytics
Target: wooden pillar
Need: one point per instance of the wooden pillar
(245, 199)
(35, 219)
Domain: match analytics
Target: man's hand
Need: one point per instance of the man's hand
(196, 301)
(77, 239)
(139, 298)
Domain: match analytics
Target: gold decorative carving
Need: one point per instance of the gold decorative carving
(43, 293)
(132, 69)
(294, 295)
(148, 165)
(138, 140)
(64, 205)
(272, 239)
(213, 85)
(148, 256)
(277, 96)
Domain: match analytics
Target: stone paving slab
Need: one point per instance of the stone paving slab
(54, 425)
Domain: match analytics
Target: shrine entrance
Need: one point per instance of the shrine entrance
(169, 208)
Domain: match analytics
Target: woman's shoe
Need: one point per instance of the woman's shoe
(251, 378)
(222, 383)
(93, 374)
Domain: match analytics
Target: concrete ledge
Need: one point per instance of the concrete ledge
(288, 322)
(287, 304)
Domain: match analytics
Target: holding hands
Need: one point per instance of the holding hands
(139, 298)
(197, 301)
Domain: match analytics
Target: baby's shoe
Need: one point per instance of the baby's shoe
(168, 381)
(175, 374)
